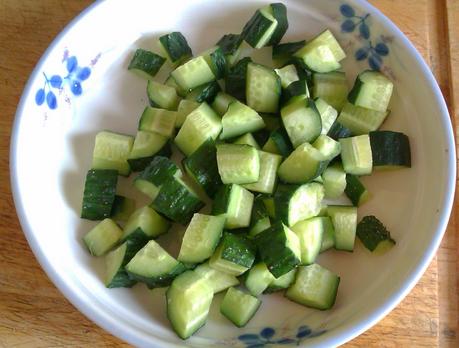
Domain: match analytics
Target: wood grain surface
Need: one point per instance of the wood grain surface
(33, 313)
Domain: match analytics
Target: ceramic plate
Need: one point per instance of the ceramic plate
(81, 85)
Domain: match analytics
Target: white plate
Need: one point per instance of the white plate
(52, 145)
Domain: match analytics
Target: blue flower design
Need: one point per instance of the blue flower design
(55, 84)
(267, 337)
(372, 53)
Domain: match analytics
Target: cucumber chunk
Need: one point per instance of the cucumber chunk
(201, 238)
(111, 151)
(240, 119)
(162, 96)
(122, 208)
(310, 233)
(338, 131)
(146, 63)
(372, 90)
(218, 280)
(327, 146)
(235, 203)
(287, 75)
(344, 219)
(263, 88)
(356, 191)
(269, 163)
(281, 283)
(283, 51)
(235, 80)
(115, 273)
(360, 120)
(279, 12)
(298, 89)
(204, 93)
(258, 279)
(279, 249)
(328, 237)
(215, 58)
(221, 102)
(185, 108)
(247, 139)
(188, 303)
(156, 120)
(315, 287)
(331, 87)
(99, 194)
(279, 143)
(175, 47)
(231, 47)
(327, 113)
(374, 235)
(259, 30)
(193, 73)
(103, 237)
(146, 146)
(390, 150)
(334, 181)
(356, 155)
(239, 307)
(238, 164)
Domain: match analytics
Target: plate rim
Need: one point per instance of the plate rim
(343, 333)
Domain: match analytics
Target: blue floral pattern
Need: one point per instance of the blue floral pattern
(372, 50)
(54, 85)
(267, 337)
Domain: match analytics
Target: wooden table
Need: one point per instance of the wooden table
(33, 313)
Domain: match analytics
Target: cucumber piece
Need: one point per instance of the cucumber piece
(175, 47)
(115, 273)
(155, 174)
(270, 206)
(374, 235)
(162, 96)
(193, 73)
(390, 150)
(258, 279)
(310, 234)
(204, 93)
(283, 282)
(144, 224)
(334, 181)
(356, 155)
(240, 119)
(99, 194)
(154, 266)
(158, 120)
(279, 249)
(172, 83)
(356, 191)
(122, 208)
(338, 131)
(323, 53)
(331, 87)
(103, 237)
(263, 88)
(202, 167)
(218, 280)
(201, 238)
(372, 90)
(327, 146)
(259, 30)
(287, 75)
(146, 146)
(185, 108)
(235, 80)
(360, 120)
(231, 47)
(269, 163)
(146, 63)
(235, 255)
(238, 164)
(304, 73)
(279, 12)
(315, 287)
(221, 102)
(215, 58)
(327, 113)
(247, 139)
(279, 143)
(297, 89)
(328, 236)
(235, 203)
(283, 51)
(201, 124)
(344, 219)
(304, 164)
(239, 307)
(302, 121)
(298, 202)
(111, 151)
(177, 201)
(259, 220)
(188, 303)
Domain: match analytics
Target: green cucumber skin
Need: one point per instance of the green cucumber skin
(176, 202)
(390, 148)
(159, 169)
(229, 43)
(219, 61)
(282, 141)
(238, 249)
(280, 14)
(286, 50)
(99, 193)
(235, 81)
(122, 279)
(146, 61)
(371, 232)
(261, 136)
(176, 46)
(139, 164)
(338, 131)
(203, 166)
(255, 28)
(282, 198)
(295, 88)
(205, 93)
(220, 204)
(354, 189)
(273, 252)
(304, 73)
(161, 281)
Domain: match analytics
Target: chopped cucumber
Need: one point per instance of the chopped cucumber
(146, 63)
(221, 102)
(247, 139)
(297, 90)
(231, 47)
(201, 238)
(281, 283)
(122, 208)
(310, 234)
(327, 113)
(111, 151)
(269, 163)
(356, 191)
(328, 237)
(390, 150)
(315, 287)
(235, 80)
(263, 88)
(259, 30)
(103, 237)
(259, 221)
(334, 181)
(240, 119)
(279, 12)
(170, 81)
(331, 87)
(175, 47)
(144, 224)
(99, 194)
(258, 279)
(279, 143)
(162, 96)
(344, 219)
(283, 51)
(338, 131)
(374, 235)
(239, 307)
(115, 273)
(360, 120)
(356, 155)
(327, 146)
(193, 73)
(185, 108)
(287, 74)
(372, 90)
(235, 203)
(146, 146)
(158, 120)
(215, 58)
(218, 280)
(204, 93)
(238, 164)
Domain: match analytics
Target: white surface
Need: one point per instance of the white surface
(51, 152)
